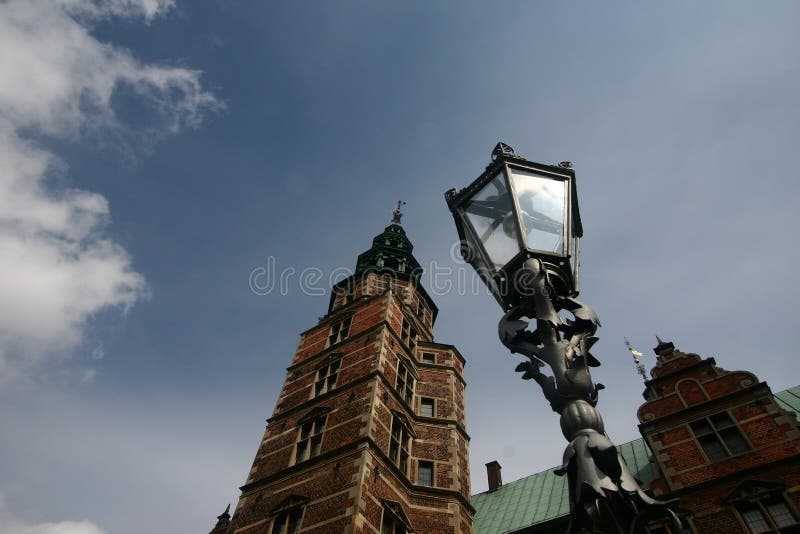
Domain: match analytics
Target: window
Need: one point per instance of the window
(287, 522)
(391, 524)
(719, 436)
(405, 383)
(428, 357)
(425, 477)
(409, 335)
(422, 312)
(381, 284)
(326, 377)
(310, 439)
(767, 515)
(339, 331)
(426, 407)
(398, 445)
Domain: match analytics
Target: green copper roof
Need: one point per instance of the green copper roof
(543, 496)
(789, 399)
(391, 251)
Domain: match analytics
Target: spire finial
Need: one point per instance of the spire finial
(223, 522)
(226, 515)
(636, 355)
(396, 214)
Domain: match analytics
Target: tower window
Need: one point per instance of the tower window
(398, 445)
(409, 335)
(428, 357)
(425, 477)
(420, 309)
(326, 377)
(390, 524)
(426, 407)
(309, 440)
(339, 331)
(405, 383)
(719, 436)
(381, 284)
(287, 522)
(766, 515)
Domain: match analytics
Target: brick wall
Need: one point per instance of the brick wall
(428, 513)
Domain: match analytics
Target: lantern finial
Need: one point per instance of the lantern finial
(502, 149)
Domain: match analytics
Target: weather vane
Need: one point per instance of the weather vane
(396, 213)
(636, 355)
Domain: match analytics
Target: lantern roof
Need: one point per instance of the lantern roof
(503, 154)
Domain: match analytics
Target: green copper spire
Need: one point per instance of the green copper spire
(391, 251)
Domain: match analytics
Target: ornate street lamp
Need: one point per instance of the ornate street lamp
(519, 227)
(515, 211)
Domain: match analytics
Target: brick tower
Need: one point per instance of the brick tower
(368, 434)
(722, 445)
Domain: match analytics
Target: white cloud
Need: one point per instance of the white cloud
(11, 525)
(58, 267)
(63, 527)
(59, 79)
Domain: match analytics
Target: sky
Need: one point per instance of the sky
(156, 153)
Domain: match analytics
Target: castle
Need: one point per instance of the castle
(369, 432)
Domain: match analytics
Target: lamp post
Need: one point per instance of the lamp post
(520, 227)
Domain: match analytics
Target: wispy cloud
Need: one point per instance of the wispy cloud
(117, 8)
(12, 525)
(59, 266)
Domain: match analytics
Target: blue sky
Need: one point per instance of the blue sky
(155, 153)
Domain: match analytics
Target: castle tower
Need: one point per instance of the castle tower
(368, 434)
(722, 444)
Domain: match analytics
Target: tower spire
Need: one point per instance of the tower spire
(637, 362)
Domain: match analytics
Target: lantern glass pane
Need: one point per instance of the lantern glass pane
(542, 202)
(491, 215)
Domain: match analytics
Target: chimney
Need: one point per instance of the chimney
(493, 472)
